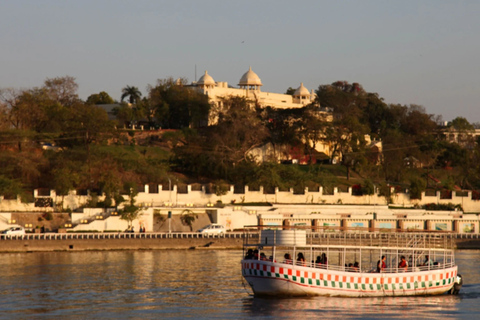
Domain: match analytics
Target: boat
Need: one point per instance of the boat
(348, 265)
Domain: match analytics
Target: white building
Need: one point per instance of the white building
(250, 88)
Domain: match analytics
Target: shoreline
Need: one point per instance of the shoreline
(76, 245)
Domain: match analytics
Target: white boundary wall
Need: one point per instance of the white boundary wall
(201, 198)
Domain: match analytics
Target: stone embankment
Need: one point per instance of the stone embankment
(162, 241)
(118, 241)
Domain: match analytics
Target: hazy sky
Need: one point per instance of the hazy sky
(421, 52)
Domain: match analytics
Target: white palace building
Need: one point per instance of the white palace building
(250, 88)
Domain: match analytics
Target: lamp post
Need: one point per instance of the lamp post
(169, 222)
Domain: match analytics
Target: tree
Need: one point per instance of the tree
(346, 133)
(290, 91)
(283, 125)
(100, 98)
(130, 211)
(188, 217)
(10, 188)
(65, 179)
(237, 132)
(176, 106)
(88, 124)
(62, 89)
(313, 129)
(417, 186)
(461, 124)
(368, 188)
(132, 93)
(127, 114)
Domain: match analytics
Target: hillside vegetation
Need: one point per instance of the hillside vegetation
(49, 138)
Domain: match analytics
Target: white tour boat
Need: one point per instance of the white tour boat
(349, 265)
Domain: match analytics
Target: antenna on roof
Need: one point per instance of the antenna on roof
(195, 72)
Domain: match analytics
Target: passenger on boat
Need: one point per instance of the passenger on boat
(428, 262)
(403, 263)
(381, 264)
(249, 254)
(255, 254)
(301, 259)
(324, 259)
(350, 267)
(263, 257)
(288, 258)
(356, 267)
(318, 262)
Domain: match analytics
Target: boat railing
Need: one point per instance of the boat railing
(315, 236)
(333, 267)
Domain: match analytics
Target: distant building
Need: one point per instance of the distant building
(465, 138)
(250, 88)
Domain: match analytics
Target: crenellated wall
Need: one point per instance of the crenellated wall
(193, 198)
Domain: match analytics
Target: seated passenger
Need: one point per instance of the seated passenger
(288, 258)
(318, 262)
(403, 264)
(249, 254)
(324, 259)
(381, 265)
(263, 257)
(356, 267)
(301, 259)
(428, 262)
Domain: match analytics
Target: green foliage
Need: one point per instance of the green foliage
(461, 124)
(290, 91)
(100, 98)
(221, 188)
(92, 200)
(368, 188)
(188, 217)
(441, 206)
(10, 188)
(130, 213)
(176, 106)
(132, 93)
(417, 186)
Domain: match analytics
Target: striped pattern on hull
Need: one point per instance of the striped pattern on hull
(269, 278)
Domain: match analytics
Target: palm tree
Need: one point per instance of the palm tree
(132, 92)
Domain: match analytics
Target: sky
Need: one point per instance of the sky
(409, 52)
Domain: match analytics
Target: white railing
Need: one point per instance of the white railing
(120, 235)
(334, 267)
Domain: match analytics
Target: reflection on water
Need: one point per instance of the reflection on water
(196, 283)
(333, 307)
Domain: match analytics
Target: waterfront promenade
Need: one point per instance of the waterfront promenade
(183, 241)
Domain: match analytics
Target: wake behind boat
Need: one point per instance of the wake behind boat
(281, 263)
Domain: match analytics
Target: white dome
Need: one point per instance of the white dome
(206, 79)
(250, 78)
(301, 91)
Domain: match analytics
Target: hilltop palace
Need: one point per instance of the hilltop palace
(250, 85)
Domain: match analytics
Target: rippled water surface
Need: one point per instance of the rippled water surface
(197, 284)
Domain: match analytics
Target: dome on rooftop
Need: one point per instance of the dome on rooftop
(301, 91)
(250, 78)
(206, 79)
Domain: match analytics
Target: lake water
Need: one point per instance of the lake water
(197, 284)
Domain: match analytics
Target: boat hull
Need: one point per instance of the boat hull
(277, 279)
